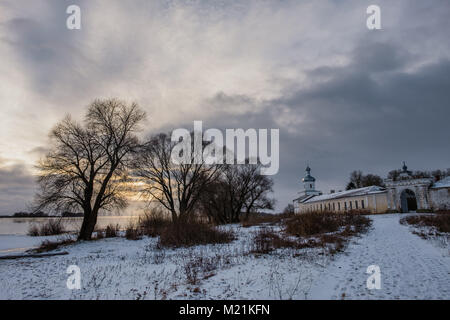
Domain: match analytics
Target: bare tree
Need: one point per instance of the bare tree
(177, 187)
(289, 209)
(240, 188)
(360, 180)
(87, 164)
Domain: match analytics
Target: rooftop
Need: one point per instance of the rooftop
(347, 193)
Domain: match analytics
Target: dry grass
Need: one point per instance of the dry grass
(327, 230)
(310, 224)
(49, 228)
(255, 219)
(48, 245)
(133, 232)
(112, 231)
(266, 240)
(441, 222)
(153, 223)
(193, 233)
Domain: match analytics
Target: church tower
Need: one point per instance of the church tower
(309, 182)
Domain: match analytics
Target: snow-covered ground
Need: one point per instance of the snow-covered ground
(411, 268)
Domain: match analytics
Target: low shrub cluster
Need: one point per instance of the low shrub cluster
(327, 230)
(310, 224)
(441, 222)
(133, 232)
(266, 240)
(188, 234)
(49, 228)
(48, 245)
(152, 223)
(255, 219)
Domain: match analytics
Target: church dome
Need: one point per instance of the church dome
(308, 177)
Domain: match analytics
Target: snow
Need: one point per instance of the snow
(347, 193)
(411, 268)
(444, 183)
(13, 244)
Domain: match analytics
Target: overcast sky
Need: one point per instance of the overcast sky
(344, 97)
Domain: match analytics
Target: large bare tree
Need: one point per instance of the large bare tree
(175, 186)
(88, 162)
(240, 188)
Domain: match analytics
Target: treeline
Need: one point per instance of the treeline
(436, 174)
(96, 164)
(40, 214)
(360, 180)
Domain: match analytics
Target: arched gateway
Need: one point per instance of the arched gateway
(408, 201)
(406, 193)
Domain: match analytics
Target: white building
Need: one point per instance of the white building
(403, 194)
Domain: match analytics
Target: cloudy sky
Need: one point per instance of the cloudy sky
(344, 97)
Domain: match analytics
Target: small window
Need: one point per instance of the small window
(351, 205)
(334, 206)
(310, 186)
(339, 206)
(362, 204)
(356, 204)
(345, 205)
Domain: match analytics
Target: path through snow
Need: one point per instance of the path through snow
(411, 267)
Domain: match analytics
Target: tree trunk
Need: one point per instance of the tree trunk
(88, 225)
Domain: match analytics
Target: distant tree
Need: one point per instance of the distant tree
(239, 188)
(88, 162)
(350, 186)
(438, 174)
(359, 180)
(420, 174)
(394, 174)
(372, 180)
(289, 209)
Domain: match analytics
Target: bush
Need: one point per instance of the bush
(441, 221)
(424, 211)
(152, 223)
(112, 231)
(133, 232)
(326, 230)
(255, 219)
(265, 240)
(49, 228)
(53, 245)
(309, 224)
(193, 233)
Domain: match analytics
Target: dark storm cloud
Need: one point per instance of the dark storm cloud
(16, 188)
(343, 97)
(370, 114)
